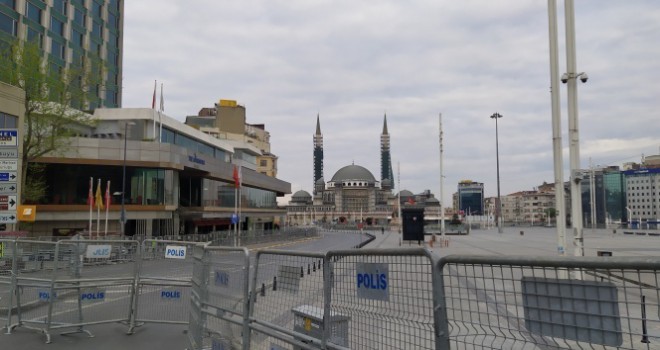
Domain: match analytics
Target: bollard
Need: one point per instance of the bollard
(308, 270)
(274, 283)
(302, 272)
(614, 231)
(314, 266)
(645, 336)
(522, 233)
(263, 289)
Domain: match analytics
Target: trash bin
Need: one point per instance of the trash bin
(308, 320)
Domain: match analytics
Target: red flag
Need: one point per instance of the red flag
(411, 201)
(107, 195)
(90, 194)
(153, 101)
(237, 179)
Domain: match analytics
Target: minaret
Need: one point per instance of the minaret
(318, 154)
(385, 159)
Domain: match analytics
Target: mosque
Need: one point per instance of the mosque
(352, 196)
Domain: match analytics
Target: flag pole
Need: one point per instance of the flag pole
(240, 184)
(107, 208)
(153, 108)
(160, 115)
(235, 176)
(90, 202)
(98, 210)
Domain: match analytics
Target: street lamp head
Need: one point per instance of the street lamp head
(496, 115)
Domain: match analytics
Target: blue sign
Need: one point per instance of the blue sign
(221, 278)
(8, 176)
(93, 295)
(9, 137)
(234, 219)
(175, 252)
(44, 295)
(372, 281)
(171, 294)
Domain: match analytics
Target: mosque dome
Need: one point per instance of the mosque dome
(301, 196)
(353, 172)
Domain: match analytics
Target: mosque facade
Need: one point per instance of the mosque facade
(351, 196)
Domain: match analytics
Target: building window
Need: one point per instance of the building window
(97, 29)
(56, 26)
(8, 120)
(97, 9)
(77, 37)
(112, 20)
(33, 12)
(79, 17)
(263, 162)
(8, 24)
(60, 6)
(9, 3)
(57, 49)
(35, 35)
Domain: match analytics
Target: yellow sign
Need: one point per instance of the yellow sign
(227, 103)
(27, 213)
(2, 249)
(308, 324)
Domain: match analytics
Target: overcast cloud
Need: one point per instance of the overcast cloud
(353, 61)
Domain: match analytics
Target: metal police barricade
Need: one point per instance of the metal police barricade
(163, 283)
(495, 302)
(33, 263)
(387, 295)
(220, 299)
(92, 283)
(283, 281)
(8, 269)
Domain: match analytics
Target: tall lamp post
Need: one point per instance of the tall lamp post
(122, 215)
(498, 209)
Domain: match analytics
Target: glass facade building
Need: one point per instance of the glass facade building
(471, 198)
(72, 33)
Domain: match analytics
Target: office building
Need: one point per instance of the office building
(73, 34)
(471, 197)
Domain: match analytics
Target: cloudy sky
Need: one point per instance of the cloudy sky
(353, 61)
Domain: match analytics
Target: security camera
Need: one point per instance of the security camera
(584, 77)
(564, 78)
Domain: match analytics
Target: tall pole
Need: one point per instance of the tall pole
(573, 132)
(560, 197)
(442, 207)
(122, 215)
(592, 195)
(498, 208)
(398, 203)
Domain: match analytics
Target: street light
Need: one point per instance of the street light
(122, 215)
(497, 116)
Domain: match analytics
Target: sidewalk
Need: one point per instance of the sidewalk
(535, 241)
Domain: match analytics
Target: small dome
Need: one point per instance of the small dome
(406, 193)
(386, 183)
(301, 196)
(353, 172)
(320, 181)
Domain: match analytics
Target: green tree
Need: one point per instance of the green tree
(52, 96)
(551, 213)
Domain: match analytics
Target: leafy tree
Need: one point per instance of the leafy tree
(551, 213)
(52, 96)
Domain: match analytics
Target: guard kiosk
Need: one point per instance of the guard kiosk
(308, 320)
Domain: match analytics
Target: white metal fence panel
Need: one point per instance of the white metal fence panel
(385, 297)
(287, 292)
(552, 303)
(164, 283)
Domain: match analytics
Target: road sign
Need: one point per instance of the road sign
(8, 176)
(8, 137)
(8, 164)
(8, 152)
(8, 188)
(8, 217)
(10, 201)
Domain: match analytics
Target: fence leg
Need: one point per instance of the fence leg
(645, 336)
